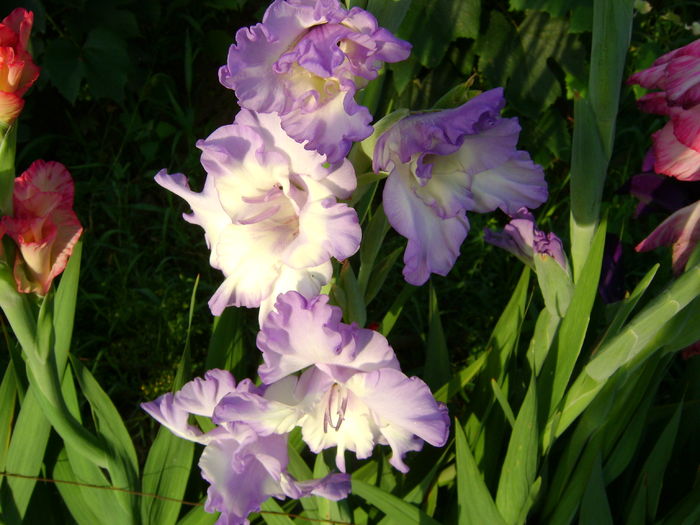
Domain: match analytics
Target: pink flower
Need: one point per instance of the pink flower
(17, 70)
(681, 230)
(44, 225)
(676, 76)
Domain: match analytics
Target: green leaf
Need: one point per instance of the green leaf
(462, 379)
(518, 58)
(389, 13)
(349, 296)
(545, 330)
(327, 509)
(64, 307)
(595, 509)
(227, 344)
(645, 325)
(429, 47)
(25, 454)
(380, 273)
(594, 122)
(372, 240)
(561, 360)
(520, 465)
(165, 473)
(106, 60)
(437, 357)
(644, 499)
(503, 402)
(64, 63)
(198, 516)
(555, 284)
(76, 498)
(8, 395)
(123, 463)
(395, 309)
(474, 500)
(274, 514)
(8, 145)
(102, 502)
(395, 508)
(382, 125)
(627, 306)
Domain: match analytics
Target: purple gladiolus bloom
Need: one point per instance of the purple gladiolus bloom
(522, 238)
(441, 165)
(270, 212)
(242, 467)
(306, 61)
(351, 394)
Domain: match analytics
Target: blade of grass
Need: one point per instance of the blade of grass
(475, 503)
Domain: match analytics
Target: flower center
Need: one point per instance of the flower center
(337, 403)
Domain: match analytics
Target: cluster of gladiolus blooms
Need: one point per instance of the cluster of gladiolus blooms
(675, 81)
(17, 69)
(273, 217)
(43, 225)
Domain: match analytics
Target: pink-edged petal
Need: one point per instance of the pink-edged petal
(514, 184)
(44, 178)
(672, 157)
(654, 103)
(405, 411)
(683, 81)
(686, 127)
(433, 242)
(681, 231)
(650, 78)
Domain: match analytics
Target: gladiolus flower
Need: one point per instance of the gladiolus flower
(43, 225)
(676, 77)
(681, 231)
(17, 70)
(445, 163)
(522, 238)
(242, 467)
(269, 211)
(306, 61)
(351, 395)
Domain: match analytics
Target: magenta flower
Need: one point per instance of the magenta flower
(43, 225)
(269, 211)
(351, 394)
(522, 238)
(445, 163)
(676, 78)
(306, 61)
(242, 467)
(681, 231)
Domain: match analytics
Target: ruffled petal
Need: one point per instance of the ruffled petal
(672, 157)
(686, 127)
(681, 230)
(404, 410)
(433, 242)
(516, 183)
